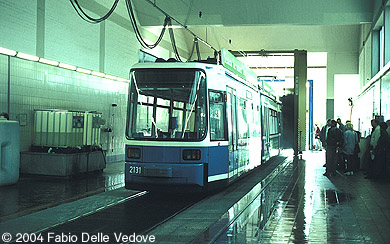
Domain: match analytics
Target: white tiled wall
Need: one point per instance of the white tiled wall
(121, 50)
(70, 40)
(39, 86)
(375, 101)
(3, 83)
(18, 25)
(385, 96)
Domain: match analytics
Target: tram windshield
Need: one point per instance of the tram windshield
(167, 104)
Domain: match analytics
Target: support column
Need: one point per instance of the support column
(300, 79)
(9, 88)
(330, 72)
(102, 46)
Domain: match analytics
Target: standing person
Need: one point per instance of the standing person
(318, 145)
(376, 132)
(378, 167)
(340, 162)
(374, 137)
(350, 138)
(324, 132)
(388, 127)
(334, 141)
(341, 126)
(324, 135)
(356, 159)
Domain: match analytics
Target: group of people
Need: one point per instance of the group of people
(341, 143)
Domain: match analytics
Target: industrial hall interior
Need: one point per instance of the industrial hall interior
(195, 121)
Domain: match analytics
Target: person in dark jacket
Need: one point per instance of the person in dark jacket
(341, 125)
(334, 141)
(324, 132)
(378, 168)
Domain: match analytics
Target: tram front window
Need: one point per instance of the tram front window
(167, 104)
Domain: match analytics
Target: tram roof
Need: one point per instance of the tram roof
(207, 67)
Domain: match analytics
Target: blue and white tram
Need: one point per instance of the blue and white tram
(194, 125)
(270, 123)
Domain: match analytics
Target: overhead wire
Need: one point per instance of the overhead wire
(86, 17)
(183, 26)
(240, 51)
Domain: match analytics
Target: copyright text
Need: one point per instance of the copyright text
(84, 237)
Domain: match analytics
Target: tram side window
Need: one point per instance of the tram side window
(217, 123)
(243, 129)
(256, 119)
(274, 122)
(144, 114)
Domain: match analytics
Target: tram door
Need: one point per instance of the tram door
(266, 131)
(231, 107)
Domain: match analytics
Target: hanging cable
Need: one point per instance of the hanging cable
(167, 22)
(136, 29)
(192, 50)
(197, 49)
(86, 17)
(173, 42)
(195, 45)
(184, 27)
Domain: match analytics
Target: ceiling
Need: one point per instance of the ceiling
(313, 25)
(257, 12)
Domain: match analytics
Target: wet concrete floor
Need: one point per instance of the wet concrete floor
(318, 209)
(310, 207)
(33, 193)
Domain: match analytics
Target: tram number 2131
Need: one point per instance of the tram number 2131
(136, 170)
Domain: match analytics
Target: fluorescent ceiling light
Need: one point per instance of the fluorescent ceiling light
(110, 77)
(7, 51)
(27, 56)
(95, 73)
(67, 66)
(122, 80)
(47, 61)
(85, 71)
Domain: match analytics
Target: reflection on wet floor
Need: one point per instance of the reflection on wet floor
(316, 209)
(32, 193)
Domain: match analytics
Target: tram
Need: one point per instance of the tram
(197, 125)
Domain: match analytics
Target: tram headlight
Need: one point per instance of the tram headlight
(191, 154)
(133, 153)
